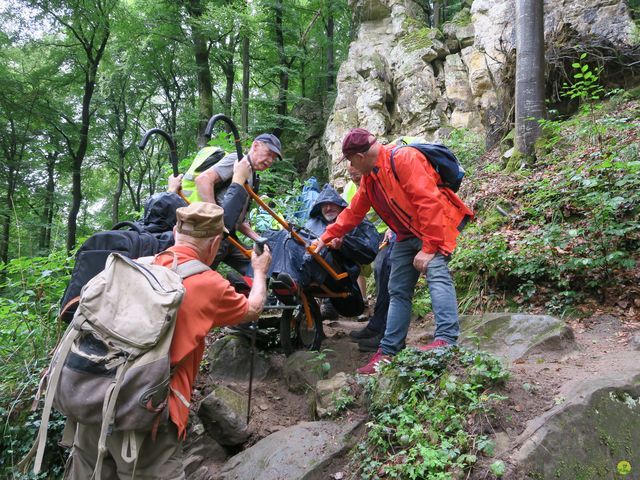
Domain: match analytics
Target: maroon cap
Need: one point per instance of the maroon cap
(357, 140)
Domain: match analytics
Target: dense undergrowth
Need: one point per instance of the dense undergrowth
(31, 289)
(429, 415)
(564, 230)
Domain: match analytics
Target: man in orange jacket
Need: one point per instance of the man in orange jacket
(426, 219)
(209, 301)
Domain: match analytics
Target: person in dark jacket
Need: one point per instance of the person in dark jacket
(292, 263)
(325, 210)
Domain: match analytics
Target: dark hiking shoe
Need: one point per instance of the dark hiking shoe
(284, 285)
(370, 344)
(362, 333)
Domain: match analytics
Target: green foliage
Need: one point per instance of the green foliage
(468, 147)
(497, 468)
(586, 86)
(320, 364)
(587, 90)
(421, 304)
(574, 229)
(31, 290)
(425, 409)
(462, 18)
(342, 401)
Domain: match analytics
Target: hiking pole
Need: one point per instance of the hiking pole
(173, 151)
(258, 247)
(173, 154)
(287, 226)
(236, 136)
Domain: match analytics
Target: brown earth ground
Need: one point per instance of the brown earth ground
(603, 342)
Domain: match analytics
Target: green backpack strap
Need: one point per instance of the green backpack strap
(54, 378)
(191, 267)
(108, 413)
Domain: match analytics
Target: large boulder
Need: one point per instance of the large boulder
(200, 450)
(230, 358)
(587, 435)
(223, 413)
(512, 336)
(298, 452)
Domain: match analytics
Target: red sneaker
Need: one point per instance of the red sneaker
(376, 361)
(434, 344)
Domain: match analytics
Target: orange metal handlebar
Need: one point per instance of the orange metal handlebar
(287, 226)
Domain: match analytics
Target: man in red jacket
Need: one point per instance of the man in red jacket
(426, 219)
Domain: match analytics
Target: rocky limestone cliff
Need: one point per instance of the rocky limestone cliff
(403, 78)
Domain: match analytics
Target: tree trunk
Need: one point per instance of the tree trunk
(530, 105)
(203, 72)
(244, 116)
(436, 13)
(283, 76)
(230, 75)
(46, 218)
(117, 195)
(79, 154)
(6, 215)
(331, 74)
(303, 73)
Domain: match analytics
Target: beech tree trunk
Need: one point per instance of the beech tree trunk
(6, 215)
(530, 63)
(283, 76)
(46, 219)
(203, 71)
(331, 74)
(244, 115)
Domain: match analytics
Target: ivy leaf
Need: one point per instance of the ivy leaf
(498, 468)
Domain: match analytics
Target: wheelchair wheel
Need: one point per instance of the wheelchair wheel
(287, 333)
(309, 337)
(295, 333)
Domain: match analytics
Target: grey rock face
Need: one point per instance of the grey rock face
(200, 450)
(333, 394)
(513, 336)
(402, 78)
(589, 434)
(223, 414)
(298, 452)
(229, 357)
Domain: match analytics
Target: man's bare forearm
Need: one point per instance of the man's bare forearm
(257, 297)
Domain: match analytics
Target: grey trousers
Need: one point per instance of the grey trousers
(158, 460)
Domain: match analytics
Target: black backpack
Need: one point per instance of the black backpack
(443, 161)
(144, 238)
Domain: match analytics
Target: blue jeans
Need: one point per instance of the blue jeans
(381, 269)
(402, 283)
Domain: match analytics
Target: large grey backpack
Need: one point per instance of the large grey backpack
(111, 368)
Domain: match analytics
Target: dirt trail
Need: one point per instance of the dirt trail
(603, 345)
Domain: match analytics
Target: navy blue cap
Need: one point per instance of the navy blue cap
(270, 141)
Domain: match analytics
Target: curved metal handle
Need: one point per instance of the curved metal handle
(236, 136)
(173, 151)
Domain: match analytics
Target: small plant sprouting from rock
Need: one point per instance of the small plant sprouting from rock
(320, 365)
(342, 400)
(427, 411)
